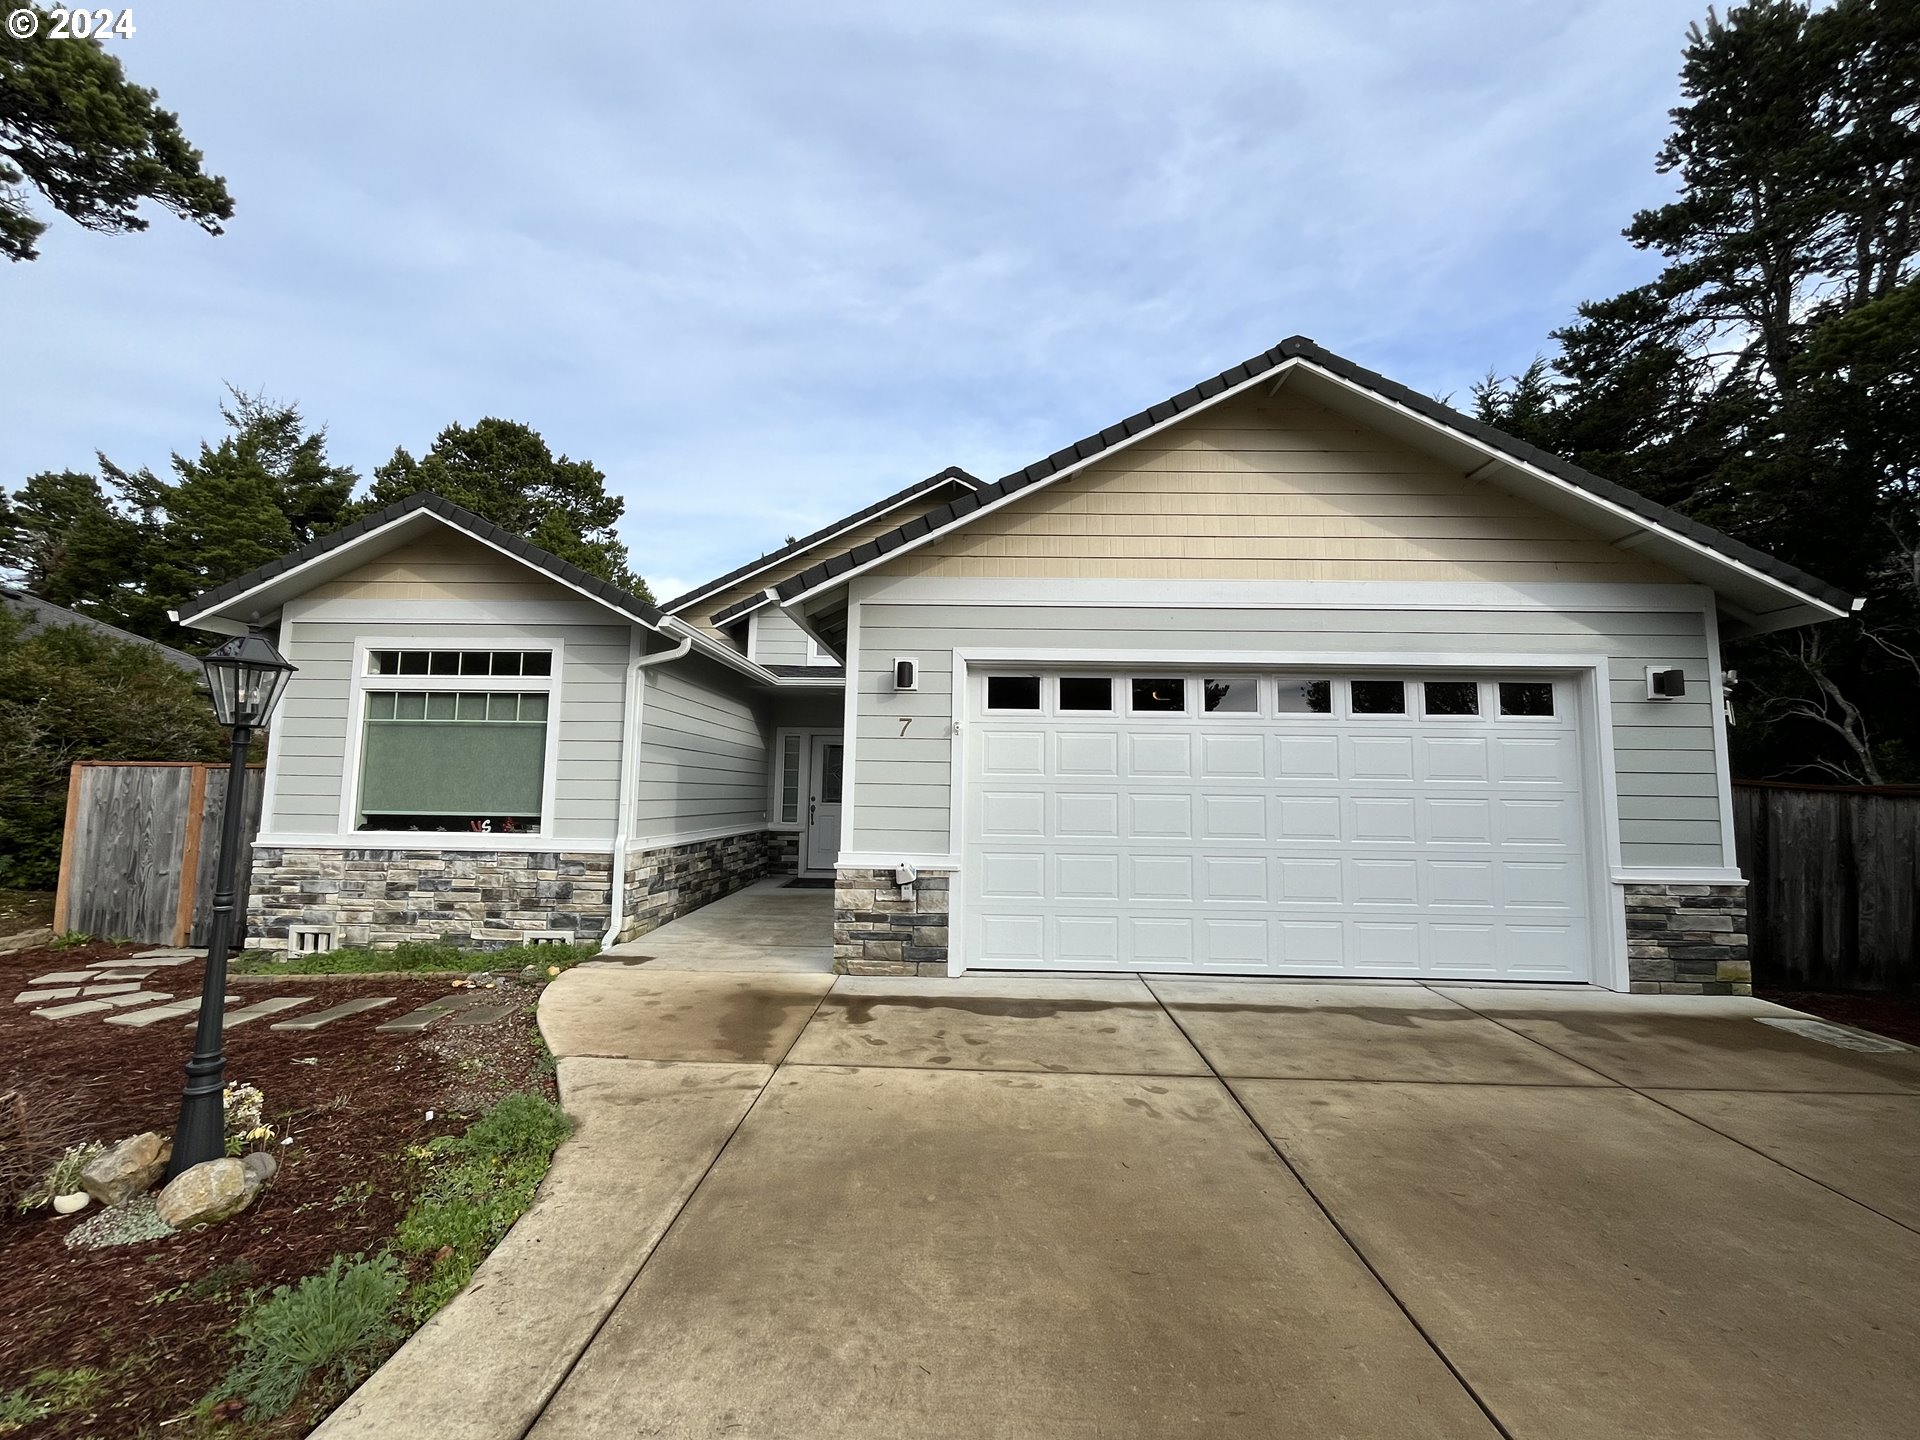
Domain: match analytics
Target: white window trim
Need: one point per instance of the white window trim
(816, 655)
(805, 733)
(1591, 713)
(361, 684)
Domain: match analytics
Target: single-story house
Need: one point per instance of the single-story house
(1295, 673)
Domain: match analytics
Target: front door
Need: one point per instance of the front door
(823, 803)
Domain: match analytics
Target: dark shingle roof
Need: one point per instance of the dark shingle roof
(513, 544)
(744, 607)
(1299, 347)
(40, 613)
(953, 474)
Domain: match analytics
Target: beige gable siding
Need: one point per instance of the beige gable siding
(794, 564)
(1277, 489)
(444, 566)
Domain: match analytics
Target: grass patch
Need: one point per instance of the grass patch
(49, 1393)
(478, 1184)
(334, 1327)
(416, 956)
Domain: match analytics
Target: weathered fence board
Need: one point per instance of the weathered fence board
(1833, 897)
(212, 808)
(140, 849)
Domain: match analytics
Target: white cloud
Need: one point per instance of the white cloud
(763, 264)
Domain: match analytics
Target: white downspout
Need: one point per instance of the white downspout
(629, 758)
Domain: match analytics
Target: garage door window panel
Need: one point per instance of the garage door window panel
(1303, 695)
(1086, 694)
(1231, 695)
(1158, 696)
(1526, 699)
(1013, 694)
(1450, 699)
(1377, 697)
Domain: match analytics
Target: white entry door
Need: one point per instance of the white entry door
(823, 802)
(1365, 824)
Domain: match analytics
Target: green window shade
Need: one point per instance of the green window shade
(447, 753)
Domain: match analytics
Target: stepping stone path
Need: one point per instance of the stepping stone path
(260, 1009)
(162, 1012)
(115, 991)
(416, 1021)
(338, 1012)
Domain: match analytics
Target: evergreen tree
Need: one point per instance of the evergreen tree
(504, 471)
(92, 143)
(1764, 381)
(128, 546)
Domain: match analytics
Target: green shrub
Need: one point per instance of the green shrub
(336, 1327)
(423, 956)
(66, 694)
(478, 1185)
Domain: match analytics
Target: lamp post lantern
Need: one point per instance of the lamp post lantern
(246, 675)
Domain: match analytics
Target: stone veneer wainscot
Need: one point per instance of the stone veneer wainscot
(1688, 940)
(488, 897)
(882, 928)
(667, 883)
(466, 897)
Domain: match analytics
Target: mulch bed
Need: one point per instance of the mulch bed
(1895, 1016)
(156, 1316)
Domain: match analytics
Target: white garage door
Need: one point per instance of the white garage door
(1412, 824)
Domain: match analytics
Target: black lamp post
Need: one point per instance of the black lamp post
(246, 675)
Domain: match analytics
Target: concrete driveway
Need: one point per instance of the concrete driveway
(805, 1207)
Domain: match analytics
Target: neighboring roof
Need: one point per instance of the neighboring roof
(952, 475)
(1288, 354)
(40, 613)
(431, 504)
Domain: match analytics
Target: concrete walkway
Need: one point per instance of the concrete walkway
(1050, 1207)
(767, 926)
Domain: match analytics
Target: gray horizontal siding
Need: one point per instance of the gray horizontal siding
(777, 640)
(1663, 750)
(703, 752)
(314, 751)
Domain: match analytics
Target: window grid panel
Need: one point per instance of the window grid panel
(386, 662)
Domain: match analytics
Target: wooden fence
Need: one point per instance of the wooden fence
(142, 841)
(1833, 897)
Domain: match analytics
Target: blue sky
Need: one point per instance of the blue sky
(765, 262)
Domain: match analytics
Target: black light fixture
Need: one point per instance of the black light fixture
(246, 675)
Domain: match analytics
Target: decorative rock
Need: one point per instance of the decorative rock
(206, 1194)
(127, 1169)
(70, 1204)
(262, 1166)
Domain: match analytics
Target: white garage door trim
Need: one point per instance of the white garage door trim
(1587, 680)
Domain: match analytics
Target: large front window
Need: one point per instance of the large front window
(450, 755)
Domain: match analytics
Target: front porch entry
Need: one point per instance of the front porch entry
(809, 762)
(820, 845)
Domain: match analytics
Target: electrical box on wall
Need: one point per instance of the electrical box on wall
(906, 674)
(1665, 684)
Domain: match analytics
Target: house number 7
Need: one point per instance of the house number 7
(905, 721)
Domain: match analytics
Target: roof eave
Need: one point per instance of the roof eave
(1808, 601)
(952, 475)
